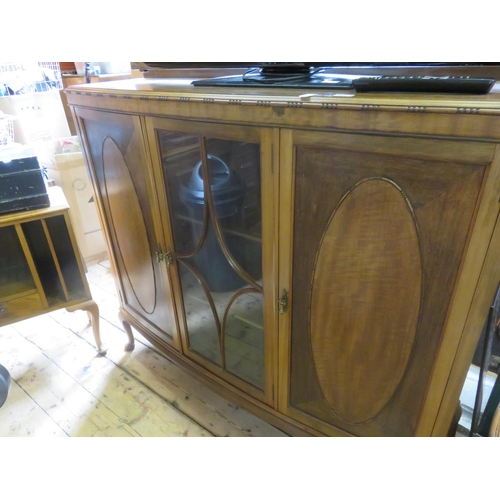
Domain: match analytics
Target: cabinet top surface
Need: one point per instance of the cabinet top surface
(182, 89)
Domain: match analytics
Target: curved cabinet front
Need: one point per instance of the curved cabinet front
(117, 159)
(377, 244)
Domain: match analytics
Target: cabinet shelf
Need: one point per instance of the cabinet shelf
(12, 291)
(252, 235)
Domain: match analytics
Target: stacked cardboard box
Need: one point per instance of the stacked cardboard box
(65, 165)
(39, 116)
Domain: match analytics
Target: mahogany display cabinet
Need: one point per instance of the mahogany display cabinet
(325, 260)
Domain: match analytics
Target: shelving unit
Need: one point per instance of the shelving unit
(41, 269)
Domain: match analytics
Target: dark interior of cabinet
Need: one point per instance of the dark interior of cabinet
(44, 260)
(44, 263)
(15, 274)
(65, 254)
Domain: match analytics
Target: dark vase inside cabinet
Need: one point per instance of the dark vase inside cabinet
(211, 186)
(116, 155)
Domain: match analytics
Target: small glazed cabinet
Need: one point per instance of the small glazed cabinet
(325, 261)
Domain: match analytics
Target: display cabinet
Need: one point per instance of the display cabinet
(325, 261)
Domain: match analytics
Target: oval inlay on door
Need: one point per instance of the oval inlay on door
(365, 301)
(129, 226)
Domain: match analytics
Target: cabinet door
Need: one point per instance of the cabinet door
(377, 229)
(121, 173)
(217, 186)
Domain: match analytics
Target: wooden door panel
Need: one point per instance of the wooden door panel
(378, 241)
(118, 161)
(128, 226)
(368, 266)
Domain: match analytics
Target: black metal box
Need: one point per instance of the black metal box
(22, 186)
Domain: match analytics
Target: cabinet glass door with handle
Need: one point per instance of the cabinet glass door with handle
(212, 184)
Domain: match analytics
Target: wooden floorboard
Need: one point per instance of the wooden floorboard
(62, 387)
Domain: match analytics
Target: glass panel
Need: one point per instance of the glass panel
(244, 339)
(180, 153)
(15, 275)
(200, 320)
(217, 239)
(235, 181)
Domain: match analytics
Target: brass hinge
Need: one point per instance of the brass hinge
(166, 256)
(283, 302)
(159, 254)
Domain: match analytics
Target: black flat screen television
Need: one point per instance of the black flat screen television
(305, 67)
(333, 75)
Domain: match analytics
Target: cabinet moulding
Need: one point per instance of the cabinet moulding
(315, 102)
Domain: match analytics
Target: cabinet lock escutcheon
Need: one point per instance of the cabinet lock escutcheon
(283, 302)
(3, 309)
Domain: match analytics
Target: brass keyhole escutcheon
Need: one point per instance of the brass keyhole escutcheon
(283, 302)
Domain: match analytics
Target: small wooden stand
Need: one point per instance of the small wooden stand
(41, 269)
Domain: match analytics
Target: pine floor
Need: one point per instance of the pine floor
(62, 387)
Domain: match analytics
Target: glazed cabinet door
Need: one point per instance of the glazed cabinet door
(373, 232)
(121, 173)
(216, 183)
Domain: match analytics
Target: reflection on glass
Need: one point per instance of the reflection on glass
(244, 339)
(217, 237)
(201, 324)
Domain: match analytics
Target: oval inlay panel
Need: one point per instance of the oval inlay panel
(129, 226)
(365, 301)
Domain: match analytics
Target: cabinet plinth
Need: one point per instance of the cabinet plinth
(324, 261)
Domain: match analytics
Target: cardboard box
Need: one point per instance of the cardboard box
(6, 130)
(39, 116)
(69, 172)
